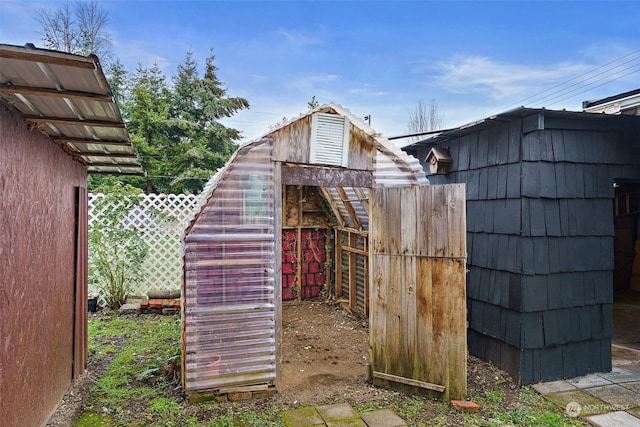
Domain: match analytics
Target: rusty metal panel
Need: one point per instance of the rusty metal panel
(68, 98)
(38, 184)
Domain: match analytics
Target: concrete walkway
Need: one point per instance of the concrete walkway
(604, 399)
(340, 415)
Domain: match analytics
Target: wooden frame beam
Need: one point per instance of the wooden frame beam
(350, 210)
(49, 92)
(75, 122)
(103, 154)
(84, 141)
(322, 176)
(46, 58)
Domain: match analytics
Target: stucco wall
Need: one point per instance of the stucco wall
(38, 184)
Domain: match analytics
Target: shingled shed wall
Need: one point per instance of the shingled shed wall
(540, 237)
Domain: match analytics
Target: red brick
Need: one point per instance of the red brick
(465, 406)
(292, 280)
(246, 395)
(290, 257)
(320, 279)
(286, 246)
(288, 294)
(287, 268)
(310, 280)
(305, 234)
(264, 394)
(144, 303)
(314, 267)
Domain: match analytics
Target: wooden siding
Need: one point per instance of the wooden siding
(292, 145)
(418, 307)
(38, 183)
(540, 238)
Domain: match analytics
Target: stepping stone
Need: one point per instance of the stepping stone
(618, 375)
(588, 404)
(337, 412)
(553, 387)
(616, 396)
(356, 422)
(382, 418)
(303, 417)
(589, 381)
(614, 419)
(129, 309)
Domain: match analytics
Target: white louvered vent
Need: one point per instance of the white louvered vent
(329, 139)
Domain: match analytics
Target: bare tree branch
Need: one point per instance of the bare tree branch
(425, 117)
(83, 35)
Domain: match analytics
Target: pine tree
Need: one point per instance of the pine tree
(203, 143)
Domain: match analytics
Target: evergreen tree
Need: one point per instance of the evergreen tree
(203, 144)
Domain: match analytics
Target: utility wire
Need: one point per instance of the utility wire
(539, 98)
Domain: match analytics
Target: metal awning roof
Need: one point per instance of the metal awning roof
(68, 98)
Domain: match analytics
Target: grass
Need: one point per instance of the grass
(140, 386)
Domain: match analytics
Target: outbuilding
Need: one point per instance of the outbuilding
(324, 204)
(553, 201)
(58, 122)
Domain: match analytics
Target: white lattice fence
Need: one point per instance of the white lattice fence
(162, 219)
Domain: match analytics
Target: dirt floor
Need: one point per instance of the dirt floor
(325, 352)
(324, 349)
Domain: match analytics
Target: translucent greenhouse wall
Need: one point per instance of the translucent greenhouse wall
(230, 307)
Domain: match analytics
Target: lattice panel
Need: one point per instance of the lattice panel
(162, 219)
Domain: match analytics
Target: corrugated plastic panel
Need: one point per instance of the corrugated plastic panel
(343, 210)
(395, 168)
(229, 279)
(363, 216)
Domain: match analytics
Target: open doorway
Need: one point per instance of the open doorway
(626, 277)
(325, 345)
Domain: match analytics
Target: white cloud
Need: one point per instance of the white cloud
(298, 39)
(501, 80)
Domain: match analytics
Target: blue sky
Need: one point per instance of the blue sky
(378, 57)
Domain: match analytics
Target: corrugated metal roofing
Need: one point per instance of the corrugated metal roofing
(68, 98)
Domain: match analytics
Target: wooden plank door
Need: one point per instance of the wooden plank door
(417, 289)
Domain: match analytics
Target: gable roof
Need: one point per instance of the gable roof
(67, 98)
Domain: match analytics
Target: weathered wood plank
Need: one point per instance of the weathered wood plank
(424, 318)
(349, 207)
(456, 221)
(439, 226)
(408, 381)
(408, 220)
(378, 332)
(325, 176)
(291, 143)
(409, 317)
(438, 371)
(332, 204)
(338, 263)
(394, 351)
(377, 224)
(393, 213)
(457, 320)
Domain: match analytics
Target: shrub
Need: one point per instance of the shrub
(116, 250)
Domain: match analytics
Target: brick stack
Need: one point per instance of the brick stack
(313, 259)
(312, 269)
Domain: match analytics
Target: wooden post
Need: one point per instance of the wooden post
(278, 188)
(338, 263)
